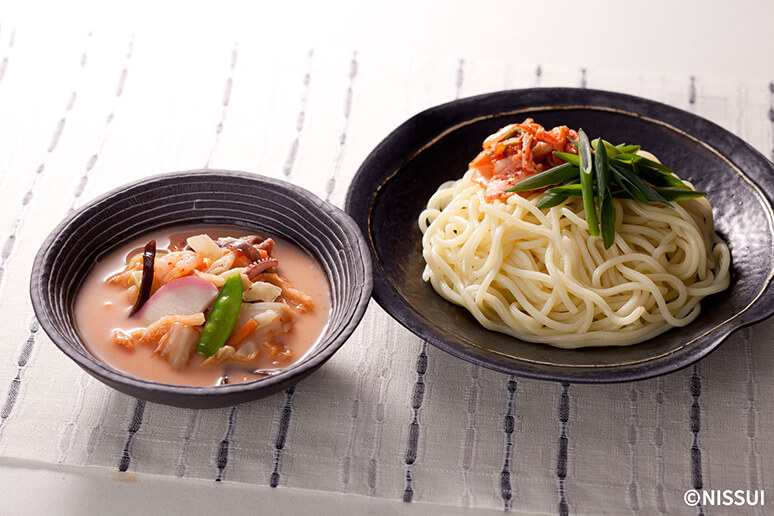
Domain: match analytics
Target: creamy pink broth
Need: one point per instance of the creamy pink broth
(101, 308)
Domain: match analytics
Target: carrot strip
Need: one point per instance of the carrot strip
(241, 334)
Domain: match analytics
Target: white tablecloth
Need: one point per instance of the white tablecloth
(388, 417)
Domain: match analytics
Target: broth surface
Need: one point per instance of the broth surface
(101, 308)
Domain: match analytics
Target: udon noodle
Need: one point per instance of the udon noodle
(538, 275)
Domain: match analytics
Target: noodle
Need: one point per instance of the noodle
(539, 276)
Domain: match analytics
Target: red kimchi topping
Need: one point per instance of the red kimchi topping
(516, 152)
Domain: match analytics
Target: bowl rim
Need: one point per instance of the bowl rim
(450, 116)
(104, 372)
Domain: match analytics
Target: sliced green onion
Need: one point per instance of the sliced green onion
(553, 176)
(636, 158)
(568, 190)
(627, 149)
(607, 221)
(678, 194)
(603, 171)
(657, 177)
(612, 150)
(627, 185)
(551, 199)
(569, 157)
(606, 210)
(647, 191)
(587, 183)
(669, 193)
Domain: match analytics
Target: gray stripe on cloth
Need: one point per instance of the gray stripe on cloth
(282, 435)
(290, 161)
(4, 64)
(134, 426)
(412, 444)
(106, 129)
(12, 396)
(358, 377)
(190, 427)
(331, 184)
(562, 452)
(225, 100)
(221, 461)
(460, 78)
(21, 364)
(10, 241)
(658, 440)
(468, 440)
(695, 423)
(509, 424)
(754, 480)
(771, 116)
(631, 441)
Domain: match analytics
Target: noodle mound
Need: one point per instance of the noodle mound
(538, 275)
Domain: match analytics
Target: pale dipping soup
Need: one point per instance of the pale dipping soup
(210, 305)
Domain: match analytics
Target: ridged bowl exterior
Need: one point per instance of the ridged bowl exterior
(208, 197)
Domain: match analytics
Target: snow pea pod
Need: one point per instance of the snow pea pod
(222, 318)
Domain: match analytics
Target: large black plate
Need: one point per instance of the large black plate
(394, 183)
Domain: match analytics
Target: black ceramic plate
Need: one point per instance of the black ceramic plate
(399, 176)
(212, 197)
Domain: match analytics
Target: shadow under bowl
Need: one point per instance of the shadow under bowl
(396, 180)
(209, 197)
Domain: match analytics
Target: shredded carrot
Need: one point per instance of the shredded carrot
(243, 332)
(264, 254)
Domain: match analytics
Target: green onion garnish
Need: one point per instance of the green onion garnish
(601, 172)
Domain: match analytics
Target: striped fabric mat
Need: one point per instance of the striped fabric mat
(389, 416)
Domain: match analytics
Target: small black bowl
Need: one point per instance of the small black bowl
(211, 197)
(395, 182)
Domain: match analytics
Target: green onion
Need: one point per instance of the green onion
(627, 149)
(647, 190)
(623, 182)
(551, 199)
(678, 194)
(636, 158)
(653, 176)
(607, 218)
(552, 176)
(569, 157)
(606, 210)
(587, 183)
(568, 190)
(573, 189)
(601, 172)
(611, 149)
(669, 193)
